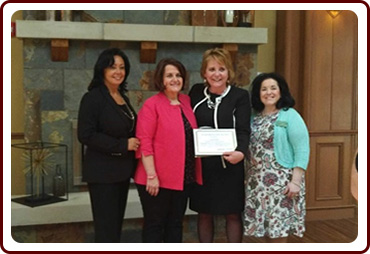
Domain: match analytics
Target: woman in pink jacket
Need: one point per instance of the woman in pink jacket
(167, 169)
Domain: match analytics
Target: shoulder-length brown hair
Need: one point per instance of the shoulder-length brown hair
(220, 55)
(159, 72)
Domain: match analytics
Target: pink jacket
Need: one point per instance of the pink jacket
(160, 128)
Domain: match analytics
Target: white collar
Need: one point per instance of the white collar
(218, 99)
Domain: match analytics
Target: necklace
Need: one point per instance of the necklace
(210, 103)
(130, 114)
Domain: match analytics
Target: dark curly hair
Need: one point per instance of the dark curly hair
(106, 59)
(286, 100)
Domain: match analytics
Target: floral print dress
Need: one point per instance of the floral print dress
(268, 212)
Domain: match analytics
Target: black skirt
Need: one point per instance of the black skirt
(222, 191)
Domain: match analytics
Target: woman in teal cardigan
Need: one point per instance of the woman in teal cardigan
(279, 154)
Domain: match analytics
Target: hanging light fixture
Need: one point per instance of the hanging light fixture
(334, 13)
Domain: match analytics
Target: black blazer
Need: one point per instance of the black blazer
(104, 130)
(233, 112)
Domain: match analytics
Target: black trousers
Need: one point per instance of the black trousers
(163, 214)
(108, 203)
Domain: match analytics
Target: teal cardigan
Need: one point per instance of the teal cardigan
(291, 140)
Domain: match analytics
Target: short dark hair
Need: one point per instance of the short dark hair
(106, 59)
(159, 72)
(286, 100)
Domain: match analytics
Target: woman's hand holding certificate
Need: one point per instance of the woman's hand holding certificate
(209, 142)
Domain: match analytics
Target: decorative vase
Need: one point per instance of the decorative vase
(246, 18)
(229, 16)
(59, 185)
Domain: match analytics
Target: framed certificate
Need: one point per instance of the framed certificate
(208, 142)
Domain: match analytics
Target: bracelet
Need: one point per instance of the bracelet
(296, 184)
(151, 177)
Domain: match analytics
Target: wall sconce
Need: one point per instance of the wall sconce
(334, 14)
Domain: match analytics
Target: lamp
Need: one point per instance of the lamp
(334, 13)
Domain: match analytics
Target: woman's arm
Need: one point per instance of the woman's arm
(242, 121)
(146, 128)
(299, 140)
(152, 183)
(294, 186)
(242, 116)
(145, 131)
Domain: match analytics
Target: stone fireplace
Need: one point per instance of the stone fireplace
(53, 89)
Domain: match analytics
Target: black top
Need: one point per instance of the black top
(126, 110)
(233, 112)
(222, 191)
(104, 130)
(189, 176)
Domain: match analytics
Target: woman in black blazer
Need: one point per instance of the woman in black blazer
(106, 126)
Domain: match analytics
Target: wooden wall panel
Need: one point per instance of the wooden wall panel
(328, 169)
(320, 58)
(331, 55)
(289, 51)
(344, 62)
(328, 175)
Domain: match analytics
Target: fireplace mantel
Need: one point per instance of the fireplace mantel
(59, 32)
(137, 32)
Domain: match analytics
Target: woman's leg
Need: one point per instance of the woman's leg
(155, 211)
(174, 222)
(108, 202)
(234, 228)
(205, 228)
(122, 202)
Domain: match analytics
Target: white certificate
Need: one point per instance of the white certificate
(209, 142)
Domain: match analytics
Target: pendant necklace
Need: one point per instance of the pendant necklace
(130, 116)
(210, 103)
